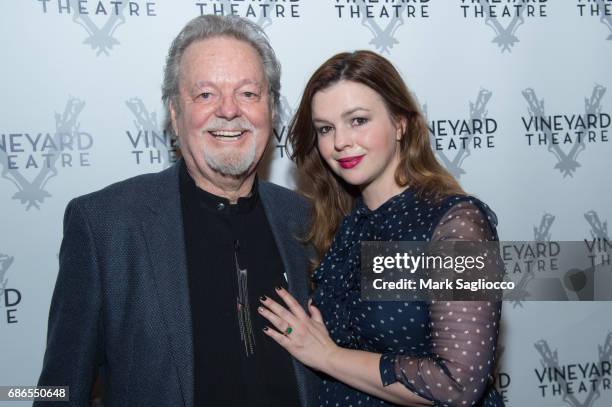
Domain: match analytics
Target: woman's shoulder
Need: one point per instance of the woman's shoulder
(465, 217)
(466, 203)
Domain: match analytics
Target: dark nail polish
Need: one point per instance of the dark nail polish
(265, 328)
(278, 288)
(263, 298)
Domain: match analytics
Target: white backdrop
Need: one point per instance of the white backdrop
(81, 109)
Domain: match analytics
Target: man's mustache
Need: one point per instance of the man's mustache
(218, 124)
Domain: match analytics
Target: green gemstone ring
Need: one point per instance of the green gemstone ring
(288, 330)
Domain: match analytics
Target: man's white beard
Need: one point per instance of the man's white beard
(231, 162)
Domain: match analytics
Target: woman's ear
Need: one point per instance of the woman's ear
(400, 127)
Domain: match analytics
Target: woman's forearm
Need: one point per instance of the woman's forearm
(360, 369)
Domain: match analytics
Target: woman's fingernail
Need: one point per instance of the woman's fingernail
(278, 288)
(260, 309)
(263, 298)
(265, 329)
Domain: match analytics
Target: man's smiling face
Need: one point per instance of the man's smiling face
(223, 120)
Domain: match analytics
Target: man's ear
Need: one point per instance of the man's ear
(274, 115)
(400, 128)
(173, 115)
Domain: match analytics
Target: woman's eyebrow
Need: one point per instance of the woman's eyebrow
(345, 114)
(353, 110)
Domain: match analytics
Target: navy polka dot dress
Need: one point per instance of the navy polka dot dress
(442, 351)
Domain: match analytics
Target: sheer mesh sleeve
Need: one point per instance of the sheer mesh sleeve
(463, 333)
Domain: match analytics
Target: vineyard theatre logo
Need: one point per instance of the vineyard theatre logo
(9, 297)
(592, 280)
(575, 130)
(585, 379)
(100, 18)
(150, 144)
(43, 154)
(530, 261)
(382, 18)
(454, 139)
(513, 14)
(281, 129)
(261, 11)
(599, 245)
(597, 8)
(579, 280)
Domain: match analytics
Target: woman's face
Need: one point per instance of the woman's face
(357, 136)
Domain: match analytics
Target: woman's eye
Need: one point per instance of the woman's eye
(249, 94)
(205, 95)
(323, 130)
(359, 121)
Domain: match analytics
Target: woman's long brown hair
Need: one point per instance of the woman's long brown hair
(331, 197)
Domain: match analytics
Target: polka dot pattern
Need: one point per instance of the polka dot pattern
(443, 351)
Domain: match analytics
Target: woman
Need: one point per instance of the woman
(359, 138)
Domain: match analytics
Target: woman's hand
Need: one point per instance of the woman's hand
(304, 336)
(309, 342)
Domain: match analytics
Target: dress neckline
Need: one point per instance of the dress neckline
(390, 205)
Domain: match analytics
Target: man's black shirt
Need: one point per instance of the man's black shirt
(220, 239)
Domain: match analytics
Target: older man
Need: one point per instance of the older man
(160, 275)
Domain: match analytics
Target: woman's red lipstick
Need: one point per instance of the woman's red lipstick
(349, 162)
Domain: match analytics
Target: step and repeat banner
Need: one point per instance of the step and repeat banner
(518, 96)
